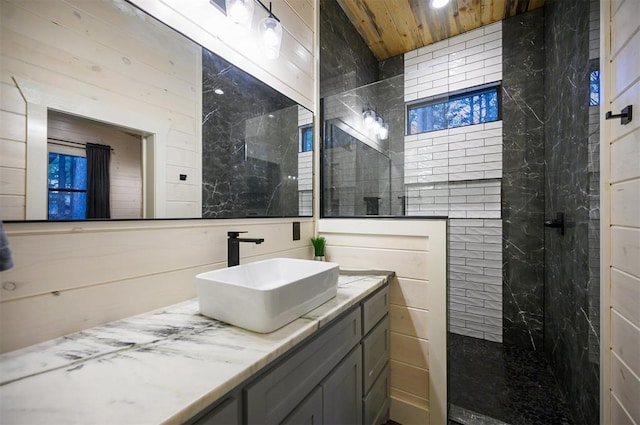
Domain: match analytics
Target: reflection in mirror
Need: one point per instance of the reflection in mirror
(251, 143)
(356, 178)
(104, 72)
(67, 175)
(362, 169)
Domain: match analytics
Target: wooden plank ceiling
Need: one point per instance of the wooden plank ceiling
(392, 27)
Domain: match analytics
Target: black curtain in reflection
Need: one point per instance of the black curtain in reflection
(98, 183)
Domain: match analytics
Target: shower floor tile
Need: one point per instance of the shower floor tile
(509, 384)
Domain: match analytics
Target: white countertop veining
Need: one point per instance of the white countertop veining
(159, 367)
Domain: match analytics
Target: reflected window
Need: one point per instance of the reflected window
(594, 88)
(306, 139)
(475, 106)
(67, 183)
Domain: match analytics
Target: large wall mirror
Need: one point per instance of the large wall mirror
(185, 133)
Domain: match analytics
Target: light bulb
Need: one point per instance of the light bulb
(369, 118)
(383, 132)
(270, 37)
(240, 12)
(437, 4)
(377, 124)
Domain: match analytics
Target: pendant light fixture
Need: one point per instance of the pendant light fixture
(240, 12)
(270, 35)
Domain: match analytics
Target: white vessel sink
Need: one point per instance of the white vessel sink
(266, 295)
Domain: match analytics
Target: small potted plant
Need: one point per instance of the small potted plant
(318, 247)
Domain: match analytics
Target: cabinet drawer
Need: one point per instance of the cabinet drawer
(374, 309)
(376, 403)
(272, 397)
(376, 352)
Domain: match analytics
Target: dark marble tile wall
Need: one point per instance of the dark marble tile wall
(568, 324)
(523, 55)
(250, 145)
(345, 59)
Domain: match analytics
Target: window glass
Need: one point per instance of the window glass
(594, 88)
(471, 107)
(67, 183)
(306, 139)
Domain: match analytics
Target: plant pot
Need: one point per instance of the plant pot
(319, 258)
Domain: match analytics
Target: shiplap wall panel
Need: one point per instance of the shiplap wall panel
(625, 249)
(292, 73)
(623, 378)
(620, 231)
(625, 295)
(416, 251)
(625, 340)
(95, 60)
(409, 350)
(409, 379)
(105, 271)
(627, 196)
(409, 292)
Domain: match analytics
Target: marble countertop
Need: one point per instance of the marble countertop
(159, 367)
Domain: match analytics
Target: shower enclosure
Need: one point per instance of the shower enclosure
(523, 297)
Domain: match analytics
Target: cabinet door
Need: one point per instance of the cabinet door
(342, 391)
(309, 412)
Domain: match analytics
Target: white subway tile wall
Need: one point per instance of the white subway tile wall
(460, 62)
(457, 172)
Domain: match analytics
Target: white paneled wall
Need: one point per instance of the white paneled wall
(91, 60)
(620, 216)
(415, 250)
(292, 73)
(457, 173)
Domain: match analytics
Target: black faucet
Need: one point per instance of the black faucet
(233, 247)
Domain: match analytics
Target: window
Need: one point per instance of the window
(594, 88)
(470, 107)
(306, 139)
(67, 182)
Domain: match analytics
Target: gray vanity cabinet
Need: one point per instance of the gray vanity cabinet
(339, 376)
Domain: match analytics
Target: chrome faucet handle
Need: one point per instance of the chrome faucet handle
(234, 234)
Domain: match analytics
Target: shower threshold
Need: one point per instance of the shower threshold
(462, 416)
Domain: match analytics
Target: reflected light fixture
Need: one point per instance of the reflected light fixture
(240, 12)
(270, 34)
(383, 132)
(218, 91)
(270, 37)
(437, 4)
(377, 124)
(369, 118)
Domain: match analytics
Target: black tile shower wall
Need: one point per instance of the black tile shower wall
(523, 55)
(568, 327)
(345, 59)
